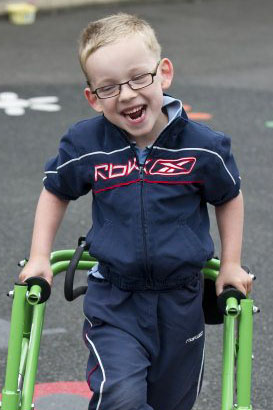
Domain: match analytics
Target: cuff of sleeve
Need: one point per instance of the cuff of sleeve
(227, 198)
(57, 193)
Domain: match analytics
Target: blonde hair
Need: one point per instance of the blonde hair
(112, 28)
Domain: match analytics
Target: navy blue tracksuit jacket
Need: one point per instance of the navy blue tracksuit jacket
(150, 221)
(150, 232)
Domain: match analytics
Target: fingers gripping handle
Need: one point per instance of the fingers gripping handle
(70, 293)
(231, 292)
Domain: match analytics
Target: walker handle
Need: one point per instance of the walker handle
(231, 292)
(228, 292)
(70, 293)
(39, 290)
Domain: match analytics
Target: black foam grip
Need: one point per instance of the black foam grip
(229, 292)
(44, 285)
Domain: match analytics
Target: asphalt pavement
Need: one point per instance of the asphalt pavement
(222, 52)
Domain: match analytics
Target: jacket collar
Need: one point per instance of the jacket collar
(178, 120)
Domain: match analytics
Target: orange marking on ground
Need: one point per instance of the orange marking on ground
(197, 116)
(187, 107)
(200, 116)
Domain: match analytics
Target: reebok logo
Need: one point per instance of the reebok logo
(166, 167)
(170, 167)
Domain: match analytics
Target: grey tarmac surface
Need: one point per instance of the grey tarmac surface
(223, 57)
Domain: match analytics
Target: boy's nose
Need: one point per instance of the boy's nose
(126, 92)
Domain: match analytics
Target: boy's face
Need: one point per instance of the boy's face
(138, 112)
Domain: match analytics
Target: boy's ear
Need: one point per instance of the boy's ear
(166, 68)
(92, 99)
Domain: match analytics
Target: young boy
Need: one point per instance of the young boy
(151, 171)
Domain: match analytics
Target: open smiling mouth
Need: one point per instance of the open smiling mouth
(136, 114)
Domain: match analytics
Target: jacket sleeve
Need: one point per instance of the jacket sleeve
(221, 179)
(65, 175)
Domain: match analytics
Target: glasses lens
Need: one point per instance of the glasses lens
(108, 91)
(141, 81)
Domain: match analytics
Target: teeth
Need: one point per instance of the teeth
(133, 110)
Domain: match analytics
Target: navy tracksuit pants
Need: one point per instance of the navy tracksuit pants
(146, 348)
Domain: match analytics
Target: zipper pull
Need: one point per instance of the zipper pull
(141, 169)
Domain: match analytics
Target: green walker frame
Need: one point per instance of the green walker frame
(27, 323)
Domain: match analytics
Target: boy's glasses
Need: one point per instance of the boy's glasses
(141, 81)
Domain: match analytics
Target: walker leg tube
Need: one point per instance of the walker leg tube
(25, 343)
(10, 393)
(23, 361)
(33, 355)
(244, 361)
(228, 363)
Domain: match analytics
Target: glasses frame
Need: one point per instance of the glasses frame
(152, 74)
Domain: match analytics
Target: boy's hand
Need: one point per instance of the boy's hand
(37, 267)
(234, 275)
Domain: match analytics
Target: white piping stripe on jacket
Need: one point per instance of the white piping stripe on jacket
(102, 370)
(200, 374)
(49, 172)
(199, 149)
(87, 155)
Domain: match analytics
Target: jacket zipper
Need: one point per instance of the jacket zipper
(143, 218)
(144, 224)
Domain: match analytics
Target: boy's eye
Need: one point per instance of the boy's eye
(140, 79)
(108, 89)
